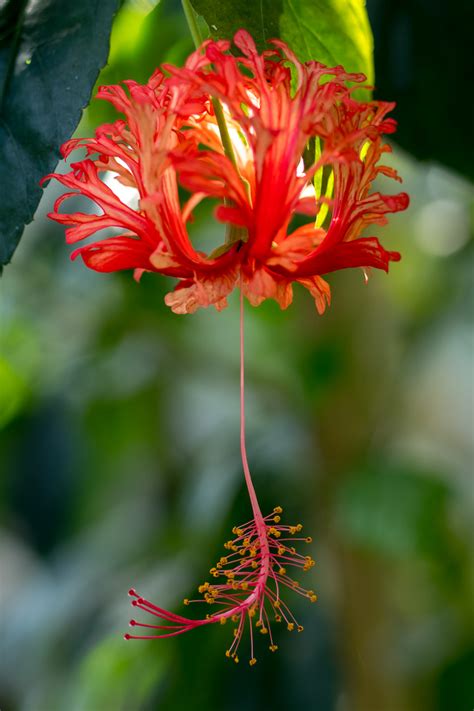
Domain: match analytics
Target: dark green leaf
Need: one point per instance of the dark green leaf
(50, 55)
(330, 31)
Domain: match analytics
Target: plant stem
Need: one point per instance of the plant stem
(191, 19)
(192, 22)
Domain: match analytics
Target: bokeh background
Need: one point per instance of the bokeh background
(119, 456)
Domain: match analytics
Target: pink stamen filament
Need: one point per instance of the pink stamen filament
(256, 556)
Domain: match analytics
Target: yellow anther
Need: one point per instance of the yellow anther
(244, 586)
(252, 552)
(230, 574)
(308, 539)
(186, 601)
(277, 618)
(282, 571)
(295, 583)
(235, 618)
(273, 647)
(235, 549)
(276, 603)
(264, 630)
(235, 632)
(290, 626)
(274, 532)
(252, 612)
(293, 530)
(223, 560)
(281, 550)
(216, 574)
(300, 628)
(277, 510)
(258, 623)
(223, 620)
(236, 659)
(252, 661)
(227, 653)
(235, 586)
(246, 542)
(299, 527)
(254, 564)
(313, 598)
(276, 519)
(293, 550)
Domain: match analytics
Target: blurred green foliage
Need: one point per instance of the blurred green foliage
(119, 463)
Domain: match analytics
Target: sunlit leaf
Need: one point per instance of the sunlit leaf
(330, 31)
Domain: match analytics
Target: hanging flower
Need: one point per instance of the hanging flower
(290, 157)
(299, 146)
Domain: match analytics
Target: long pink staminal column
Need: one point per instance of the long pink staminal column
(254, 569)
(257, 514)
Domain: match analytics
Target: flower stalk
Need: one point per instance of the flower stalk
(198, 39)
(252, 574)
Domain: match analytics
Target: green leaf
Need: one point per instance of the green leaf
(225, 17)
(329, 31)
(50, 55)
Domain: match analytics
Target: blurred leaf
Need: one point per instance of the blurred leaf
(393, 513)
(13, 391)
(118, 675)
(455, 684)
(50, 55)
(329, 31)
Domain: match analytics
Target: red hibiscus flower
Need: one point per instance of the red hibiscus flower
(302, 149)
